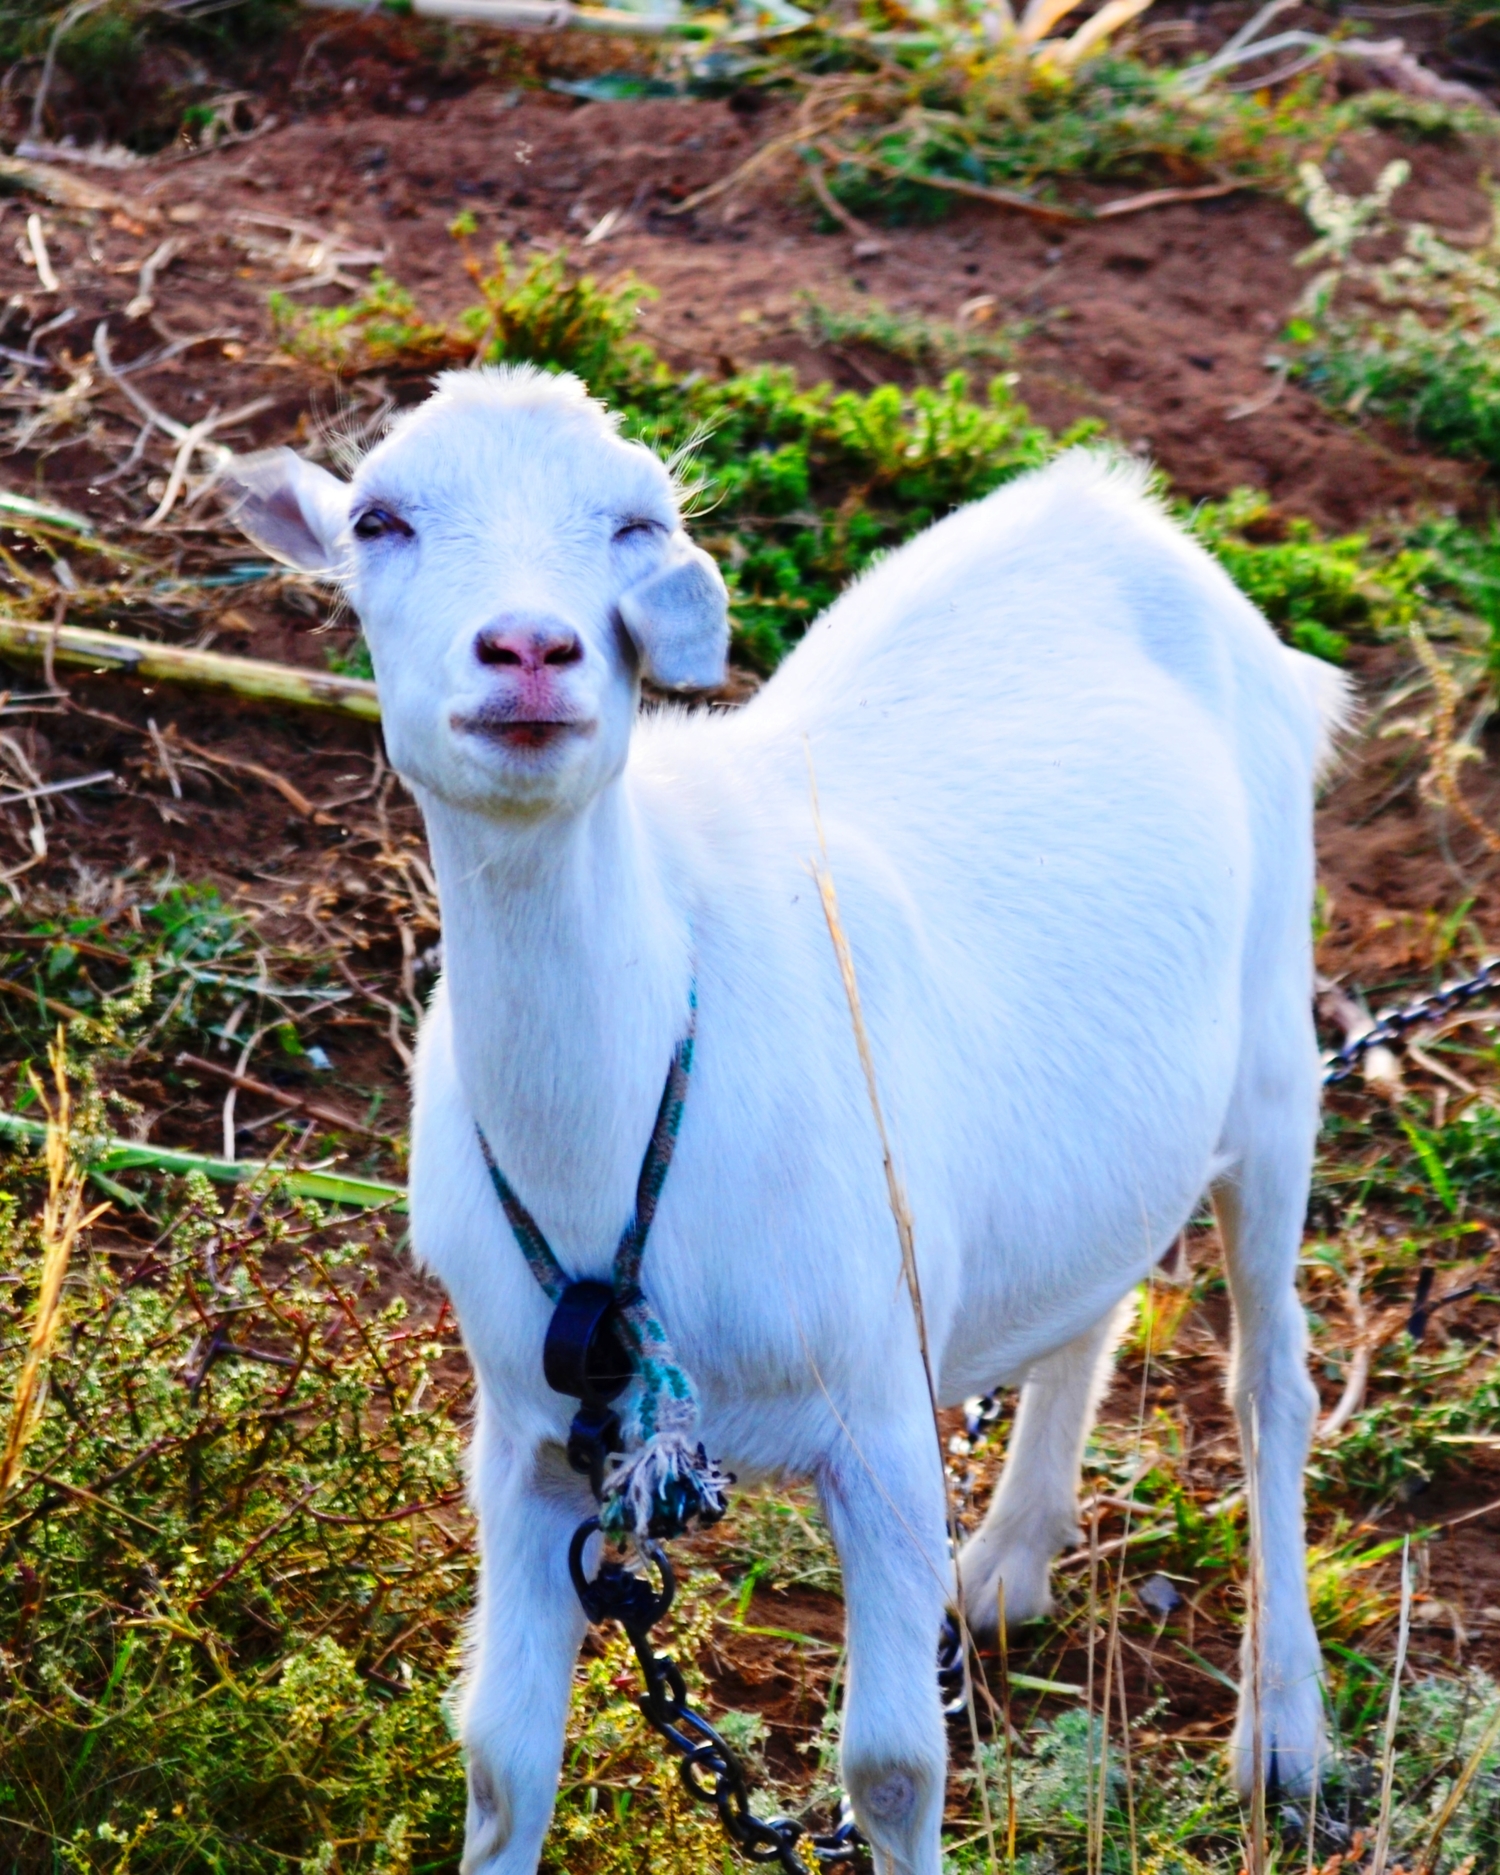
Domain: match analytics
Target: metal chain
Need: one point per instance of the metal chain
(1392, 1025)
(710, 1770)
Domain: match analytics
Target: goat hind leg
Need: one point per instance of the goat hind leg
(1034, 1512)
(1260, 1214)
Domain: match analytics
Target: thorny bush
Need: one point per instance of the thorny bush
(235, 1560)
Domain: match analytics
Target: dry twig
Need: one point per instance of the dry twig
(1445, 751)
(329, 1116)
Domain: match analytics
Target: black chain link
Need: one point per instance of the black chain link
(710, 1769)
(1393, 1025)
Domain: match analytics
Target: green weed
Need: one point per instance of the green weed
(928, 344)
(988, 120)
(798, 489)
(902, 110)
(777, 1539)
(235, 1561)
(1316, 590)
(137, 976)
(1411, 338)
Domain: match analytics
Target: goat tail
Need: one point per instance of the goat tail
(1330, 695)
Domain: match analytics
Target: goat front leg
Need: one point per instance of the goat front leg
(525, 1639)
(1260, 1211)
(883, 1497)
(1034, 1512)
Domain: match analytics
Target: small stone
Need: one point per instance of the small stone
(1159, 1597)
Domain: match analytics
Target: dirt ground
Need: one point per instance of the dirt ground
(1160, 324)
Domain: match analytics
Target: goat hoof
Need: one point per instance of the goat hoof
(487, 1828)
(1294, 1743)
(1026, 1573)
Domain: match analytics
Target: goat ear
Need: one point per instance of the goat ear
(678, 618)
(293, 509)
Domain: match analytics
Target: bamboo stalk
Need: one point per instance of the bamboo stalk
(254, 678)
(124, 1155)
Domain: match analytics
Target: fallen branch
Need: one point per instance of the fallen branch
(835, 210)
(254, 678)
(974, 191)
(542, 16)
(1028, 205)
(18, 177)
(236, 765)
(1164, 198)
(40, 258)
(123, 1155)
(314, 1109)
(11, 988)
(145, 291)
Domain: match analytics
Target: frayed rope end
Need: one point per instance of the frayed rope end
(666, 1488)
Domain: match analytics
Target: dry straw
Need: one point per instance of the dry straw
(1379, 1859)
(905, 1232)
(63, 1218)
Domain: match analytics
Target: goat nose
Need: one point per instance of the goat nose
(528, 647)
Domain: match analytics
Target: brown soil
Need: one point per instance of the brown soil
(1159, 325)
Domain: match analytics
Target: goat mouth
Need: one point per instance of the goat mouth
(520, 733)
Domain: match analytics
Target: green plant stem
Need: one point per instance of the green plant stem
(123, 1155)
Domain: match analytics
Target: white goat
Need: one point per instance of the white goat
(1066, 778)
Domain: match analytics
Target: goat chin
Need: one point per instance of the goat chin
(1065, 777)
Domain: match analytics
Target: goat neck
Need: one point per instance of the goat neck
(567, 972)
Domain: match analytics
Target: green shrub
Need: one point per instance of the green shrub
(235, 1561)
(797, 490)
(1315, 590)
(992, 121)
(1412, 338)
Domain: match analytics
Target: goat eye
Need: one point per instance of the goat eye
(378, 523)
(636, 530)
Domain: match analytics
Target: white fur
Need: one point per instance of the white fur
(1066, 778)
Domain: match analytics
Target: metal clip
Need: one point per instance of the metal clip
(583, 1355)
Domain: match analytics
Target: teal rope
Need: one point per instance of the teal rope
(534, 1246)
(663, 1482)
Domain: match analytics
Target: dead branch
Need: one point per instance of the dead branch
(314, 1109)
